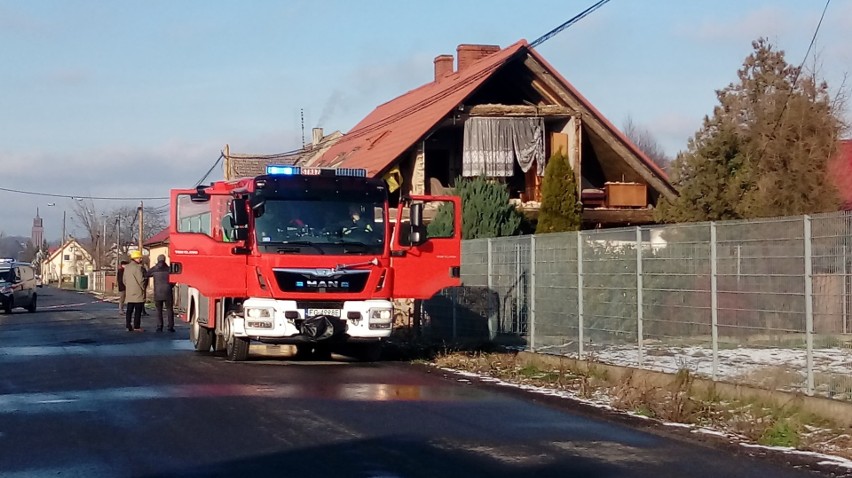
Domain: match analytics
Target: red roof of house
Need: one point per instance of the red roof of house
(387, 132)
(161, 237)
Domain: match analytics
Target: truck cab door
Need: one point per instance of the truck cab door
(423, 267)
(203, 253)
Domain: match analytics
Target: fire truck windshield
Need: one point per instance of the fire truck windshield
(326, 226)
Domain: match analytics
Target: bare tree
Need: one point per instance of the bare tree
(645, 141)
(112, 232)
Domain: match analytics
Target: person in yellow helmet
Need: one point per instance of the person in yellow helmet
(134, 288)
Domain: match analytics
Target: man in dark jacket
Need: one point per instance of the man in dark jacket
(163, 293)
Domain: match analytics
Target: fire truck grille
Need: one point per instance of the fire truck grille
(321, 280)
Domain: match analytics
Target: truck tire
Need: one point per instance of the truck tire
(219, 345)
(201, 337)
(236, 348)
(33, 304)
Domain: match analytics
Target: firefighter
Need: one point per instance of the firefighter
(356, 222)
(134, 285)
(163, 295)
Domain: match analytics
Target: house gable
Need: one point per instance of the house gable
(421, 133)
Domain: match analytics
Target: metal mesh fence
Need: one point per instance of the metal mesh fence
(763, 302)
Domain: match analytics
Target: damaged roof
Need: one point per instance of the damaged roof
(377, 142)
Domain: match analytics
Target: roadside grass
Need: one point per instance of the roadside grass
(679, 402)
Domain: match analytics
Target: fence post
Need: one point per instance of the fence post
(640, 313)
(532, 294)
(580, 337)
(518, 313)
(714, 300)
(491, 313)
(809, 305)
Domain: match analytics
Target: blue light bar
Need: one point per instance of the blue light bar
(275, 170)
(280, 170)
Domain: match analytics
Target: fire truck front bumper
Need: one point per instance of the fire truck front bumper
(282, 321)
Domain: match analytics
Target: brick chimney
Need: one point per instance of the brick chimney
(316, 136)
(468, 54)
(443, 66)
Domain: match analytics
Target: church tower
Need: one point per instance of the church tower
(38, 231)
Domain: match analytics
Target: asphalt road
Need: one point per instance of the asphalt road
(81, 396)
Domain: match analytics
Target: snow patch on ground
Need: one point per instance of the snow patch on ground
(602, 402)
(763, 366)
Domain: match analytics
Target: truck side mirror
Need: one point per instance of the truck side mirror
(417, 233)
(200, 195)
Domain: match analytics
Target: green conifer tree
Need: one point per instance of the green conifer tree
(486, 211)
(766, 149)
(560, 211)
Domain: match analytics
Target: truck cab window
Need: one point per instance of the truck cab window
(325, 224)
(210, 218)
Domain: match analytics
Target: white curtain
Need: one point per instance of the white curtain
(492, 145)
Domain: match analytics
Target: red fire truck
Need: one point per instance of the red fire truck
(303, 256)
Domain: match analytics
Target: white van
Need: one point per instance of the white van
(17, 286)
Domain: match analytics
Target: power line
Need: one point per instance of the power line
(430, 100)
(221, 155)
(77, 196)
(366, 129)
(575, 19)
(795, 81)
(108, 198)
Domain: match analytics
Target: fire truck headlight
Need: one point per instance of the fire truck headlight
(380, 316)
(259, 313)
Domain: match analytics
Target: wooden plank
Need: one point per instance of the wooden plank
(520, 110)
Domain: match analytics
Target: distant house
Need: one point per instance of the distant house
(66, 261)
(502, 113)
(240, 165)
(156, 245)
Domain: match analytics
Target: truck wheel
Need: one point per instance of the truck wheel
(32, 307)
(219, 345)
(236, 348)
(201, 337)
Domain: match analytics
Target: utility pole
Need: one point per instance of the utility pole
(62, 252)
(103, 250)
(141, 218)
(117, 242)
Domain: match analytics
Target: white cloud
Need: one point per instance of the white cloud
(770, 22)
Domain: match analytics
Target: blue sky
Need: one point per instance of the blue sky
(127, 98)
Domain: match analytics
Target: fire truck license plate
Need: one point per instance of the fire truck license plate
(315, 312)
